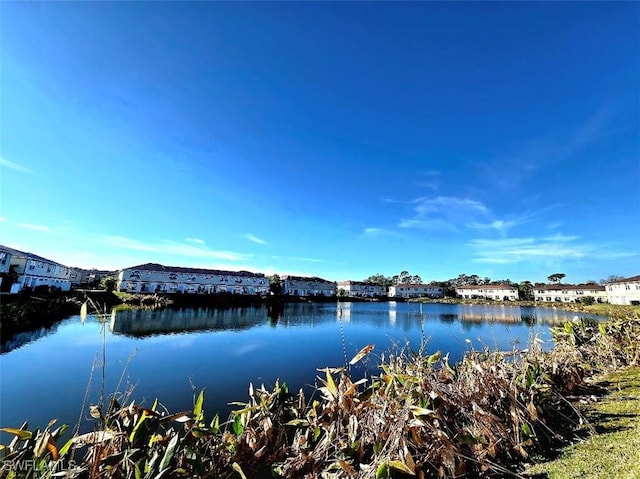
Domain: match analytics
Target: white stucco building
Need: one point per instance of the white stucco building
(569, 293)
(34, 271)
(303, 286)
(362, 289)
(415, 291)
(78, 277)
(625, 291)
(157, 278)
(498, 292)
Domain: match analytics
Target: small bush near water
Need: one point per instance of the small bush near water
(420, 416)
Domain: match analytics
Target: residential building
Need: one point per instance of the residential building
(498, 292)
(625, 291)
(361, 289)
(35, 271)
(415, 291)
(303, 286)
(79, 277)
(157, 278)
(569, 293)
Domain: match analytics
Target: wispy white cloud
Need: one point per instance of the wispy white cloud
(378, 232)
(299, 258)
(551, 248)
(560, 238)
(310, 260)
(429, 179)
(589, 132)
(254, 238)
(517, 166)
(3, 218)
(444, 213)
(35, 227)
(501, 226)
(555, 225)
(514, 250)
(195, 240)
(14, 166)
(168, 247)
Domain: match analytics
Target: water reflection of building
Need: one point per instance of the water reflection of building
(486, 313)
(393, 313)
(144, 322)
(20, 339)
(510, 314)
(344, 312)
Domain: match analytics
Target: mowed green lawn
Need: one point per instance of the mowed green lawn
(615, 451)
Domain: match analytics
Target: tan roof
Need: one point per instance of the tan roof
(180, 269)
(359, 283)
(410, 285)
(302, 278)
(632, 279)
(569, 287)
(486, 286)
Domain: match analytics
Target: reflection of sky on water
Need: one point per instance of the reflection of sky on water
(225, 349)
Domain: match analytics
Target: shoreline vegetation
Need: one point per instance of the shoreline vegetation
(490, 415)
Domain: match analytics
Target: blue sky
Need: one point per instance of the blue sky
(332, 139)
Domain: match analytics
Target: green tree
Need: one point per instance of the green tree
(525, 291)
(466, 280)
(379, 279)
(9, 278)
(556, 277)
(275, 285)
(404, 278)
(108, 283)
(447, 286)
(612, 278)
(588, 300)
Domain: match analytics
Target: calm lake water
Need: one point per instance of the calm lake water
(45, 374)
